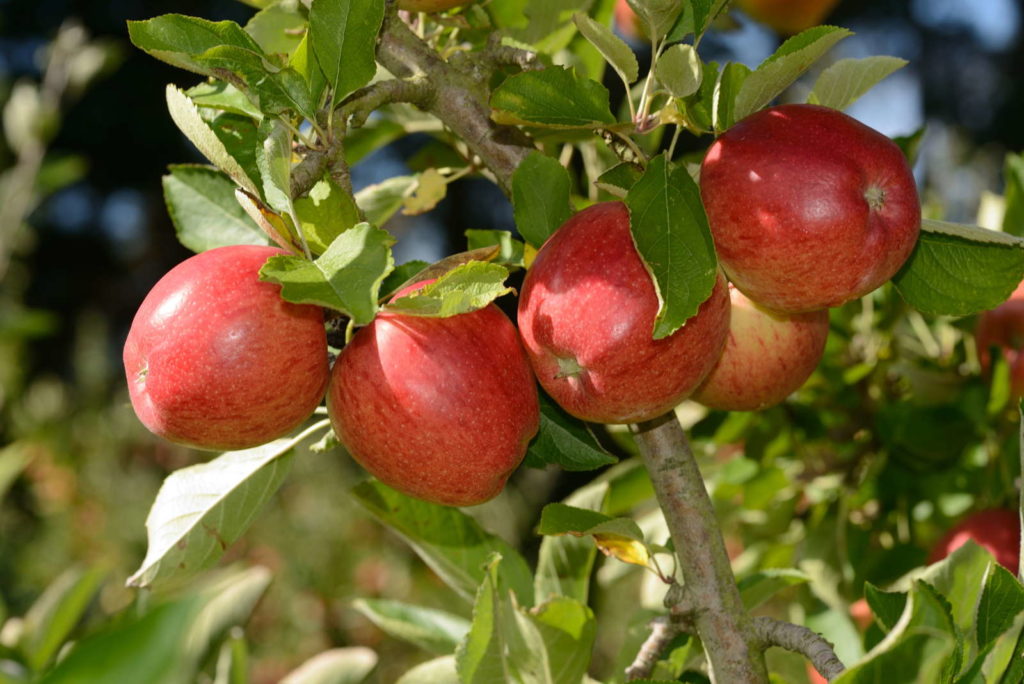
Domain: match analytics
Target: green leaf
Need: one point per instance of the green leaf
(1002, 600)
(229, 597)
(49, 621)
(679, 69)
(564, 562)
(1013, 175)
(202, 509)
(240, 137)
(13, 459)
(278, 28)
(186, 116)
(730, 83)
(464, 289)
(699, 108)
(540, 197)
(619, 179)
(1006, 653)
(201, 203)
(225, 97)
(503, 645)
(958, 270)
(760, 586)
(552, 98)
(274, 160)
(273, 89)
(618, 537)
(564, 441)
(671, 233)
(658, 16)
(568, 629)
(178, 39)
(437, 671)
(779, 71)
(615, 51)
(886, 606)
(958, 578)
(147, 649)
(432, 630)
(337, 666)
(343, 35)
(398, 277)
(449, 541)
(346, 277)
(844, 81)
(304, 62)
(511, 252)
(381, 201)
(431, 188)
(325, 212)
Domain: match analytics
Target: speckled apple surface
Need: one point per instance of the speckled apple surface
(997, 530)
(215, 359)
(767, 356)
(441, 409)
(586, 315)
(808, 207)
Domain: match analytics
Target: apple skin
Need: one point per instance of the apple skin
(1003, 327)
(788, 17)
(430, 6)
(767, 356)
(586, 315)
(629, 23)
(441, 409)
(997, 530)
(215, 359)
(808, 207)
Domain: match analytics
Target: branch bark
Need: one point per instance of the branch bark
(800, 640)
(733, 648)
(663, 631)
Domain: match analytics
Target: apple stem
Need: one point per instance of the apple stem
(732, 646)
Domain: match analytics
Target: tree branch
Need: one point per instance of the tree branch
(731, 645)
(663, 631)
(800, 640)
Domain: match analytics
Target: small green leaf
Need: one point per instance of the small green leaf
(843, 82)
(463, 289)
(615, 51)
(49, 620)
(343, 35)
(201, 204)
(619, 179)
(274, 159)
(229, 597)
(512, 252)
(177, 39)
(272, 88)
(564, 441)
(186, 115)
(202, 509)
(730, 83)
(540, 197)
(698, 109)
(431, 188)
(278, 28)
(552, 98)
(398, 277)
(13, 459)
(346, 277)
(1002, 600)
(325, 212)
(564, 562)
(779, 71)
(760, 586)
(240, 137)
(680, 70)
(618, 537)
(887, 606)
(659, 16)
(671, 233)
(1013, 174)
(225, 97)
(433, 630)
(337, 666)
(449, 541)
(304, 62)
(381, 201)
(437, 671)
(568, 629)
(958, 270)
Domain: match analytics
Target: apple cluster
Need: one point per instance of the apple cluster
(807, 208)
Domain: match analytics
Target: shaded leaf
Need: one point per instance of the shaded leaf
(565, 441)
(274, 160)
(433, 630)
(225, 97)
(49, 621)
(336, 666)
(325, 213)
(730, 83)
(540, 197)
(567, 628)
(381, 201)
(886, 606)
(564, 562)
(201, 203)
(437, 671)
(619, 179)
(554, 98)
(1002, 600)
(511, 252)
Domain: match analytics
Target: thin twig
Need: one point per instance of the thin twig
(663, 631)
(802, 640)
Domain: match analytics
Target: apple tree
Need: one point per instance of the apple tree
(623, 242)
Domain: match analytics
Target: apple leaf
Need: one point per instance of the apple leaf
(201, 204)
(568, 629)
(431, 188)
(698, 109)
(53, 615)
(349, 665)
(437, 671)
(958, 270)
(540, 197)
(240, 137)
(680, 70)
(186, 116)
(1013, 173)
(564, 441)
(618, 537)
(381, 201)
(564, 562)
(346, 277)
(463, 289)
(886, 606)
(343, 35)
(402, 274)
(273, 89)
(304, 62)
(658, 16)
(177, 39)
(433, 630)
(511, 252)
(449, 541)
(843, 82)
(229, 598)
(274, 160)
(202, 509)
(555, 97)
(619, 179)
(615, 51)
(781, 69)
(277, 28)
(1002, 600)
(276, 227)
(671, 233)
(225, 97)
(325, 212)
(730, 83)
(760, 586)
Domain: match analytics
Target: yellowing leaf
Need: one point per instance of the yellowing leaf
(625, 549)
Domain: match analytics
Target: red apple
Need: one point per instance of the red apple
(441, 409)
(767, 356)
(1003, 327)
(630, 25)
(215, 359)
(997, 530)
(788, 16)
(586, 314)
(808, 207)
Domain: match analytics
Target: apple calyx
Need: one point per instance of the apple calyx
(568, 367)
(875, 196)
